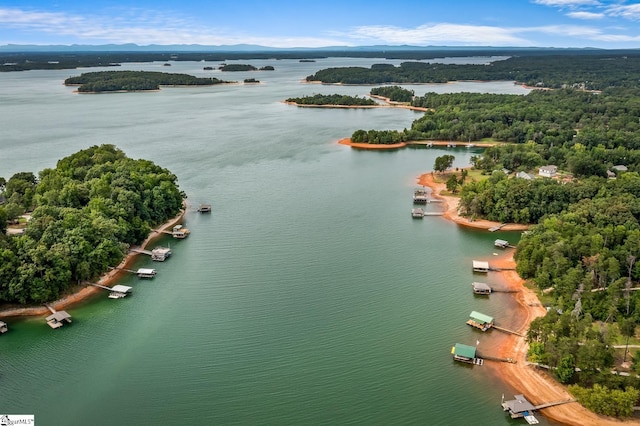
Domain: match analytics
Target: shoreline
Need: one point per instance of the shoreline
(84, 292)
(536, 384)
(389, 104)
(347, 141)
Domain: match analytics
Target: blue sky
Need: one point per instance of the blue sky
(282, 23)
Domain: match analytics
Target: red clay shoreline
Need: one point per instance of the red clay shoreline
(88, 291)
(536, 384)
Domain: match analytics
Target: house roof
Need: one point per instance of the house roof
(481, 318)
(524, 175)
(549, 168)
(465, 351)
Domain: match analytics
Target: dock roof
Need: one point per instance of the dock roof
(519, 405)
(146, 271)
(59, 316)
(481, 318)
(465, 351)
(121, 288)
(481, 286)
(478, 264)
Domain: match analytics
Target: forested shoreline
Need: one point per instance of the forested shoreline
(334, 99)
(85, 214)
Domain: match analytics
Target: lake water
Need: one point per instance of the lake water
(308, 295)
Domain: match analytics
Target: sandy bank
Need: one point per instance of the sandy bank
(84, 292)
(536, 384)
(347, 141)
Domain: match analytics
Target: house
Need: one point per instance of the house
(524, 175)
(548, 171)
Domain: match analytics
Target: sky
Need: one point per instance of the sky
(613, 24)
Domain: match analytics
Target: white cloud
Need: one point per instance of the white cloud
(631, 11)
(586, 15)
(567, 3)
(438, 33)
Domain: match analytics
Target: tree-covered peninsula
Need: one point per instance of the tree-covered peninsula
(114, 81)
(335, 99)
(244, 67)
(588, 72)
(85, 214)
(393, 93)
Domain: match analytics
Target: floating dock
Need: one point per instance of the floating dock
(204, 208)
(417, 213)
(3, 327)
(57, 318)
(502, 244)
(521, 408)
(480, 321)
(180, 232)
(420, 196)
(146, 273)
(481, 288)
(119, 291)
(479, 266)
(160, 254)
(466, 354)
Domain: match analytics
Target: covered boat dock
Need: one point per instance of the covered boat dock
(466, 354)
(480, 321)
(480, 266)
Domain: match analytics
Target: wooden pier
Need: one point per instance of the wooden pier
(505, 330)
(520, 407)
(57, 318)
(141, 272)
(497, 228)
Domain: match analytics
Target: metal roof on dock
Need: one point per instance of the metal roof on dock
(480, 317)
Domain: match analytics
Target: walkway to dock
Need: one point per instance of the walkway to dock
(553, 404)
(495, 358)
(497, 228)
(433, 214)
(139, 250)
(505, 330)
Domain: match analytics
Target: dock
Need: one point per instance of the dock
(520, 407)
(480, 321)
(204, 208)
(506, 330)
(115, 292)
(417, 213)
(3, 327)
(57, 318)
(497, 228)
(480, 266)
(180, 232)
(502, 244)
(420, 196)
(466, 354)
(481, 288)
(160, 254)
(146, 273)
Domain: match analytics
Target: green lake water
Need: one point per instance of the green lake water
(308, 295)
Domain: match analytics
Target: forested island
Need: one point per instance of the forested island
(393, 93)
(114, 81)
(335, 99)
(85, 214)
(244, 67)
(587, 72)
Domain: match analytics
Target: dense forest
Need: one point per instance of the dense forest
(587, 72)
(581, 252)
(244, 67)
(335, 99)
(394, 93)
(28, 59)
(85, 213)
(111, 81)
